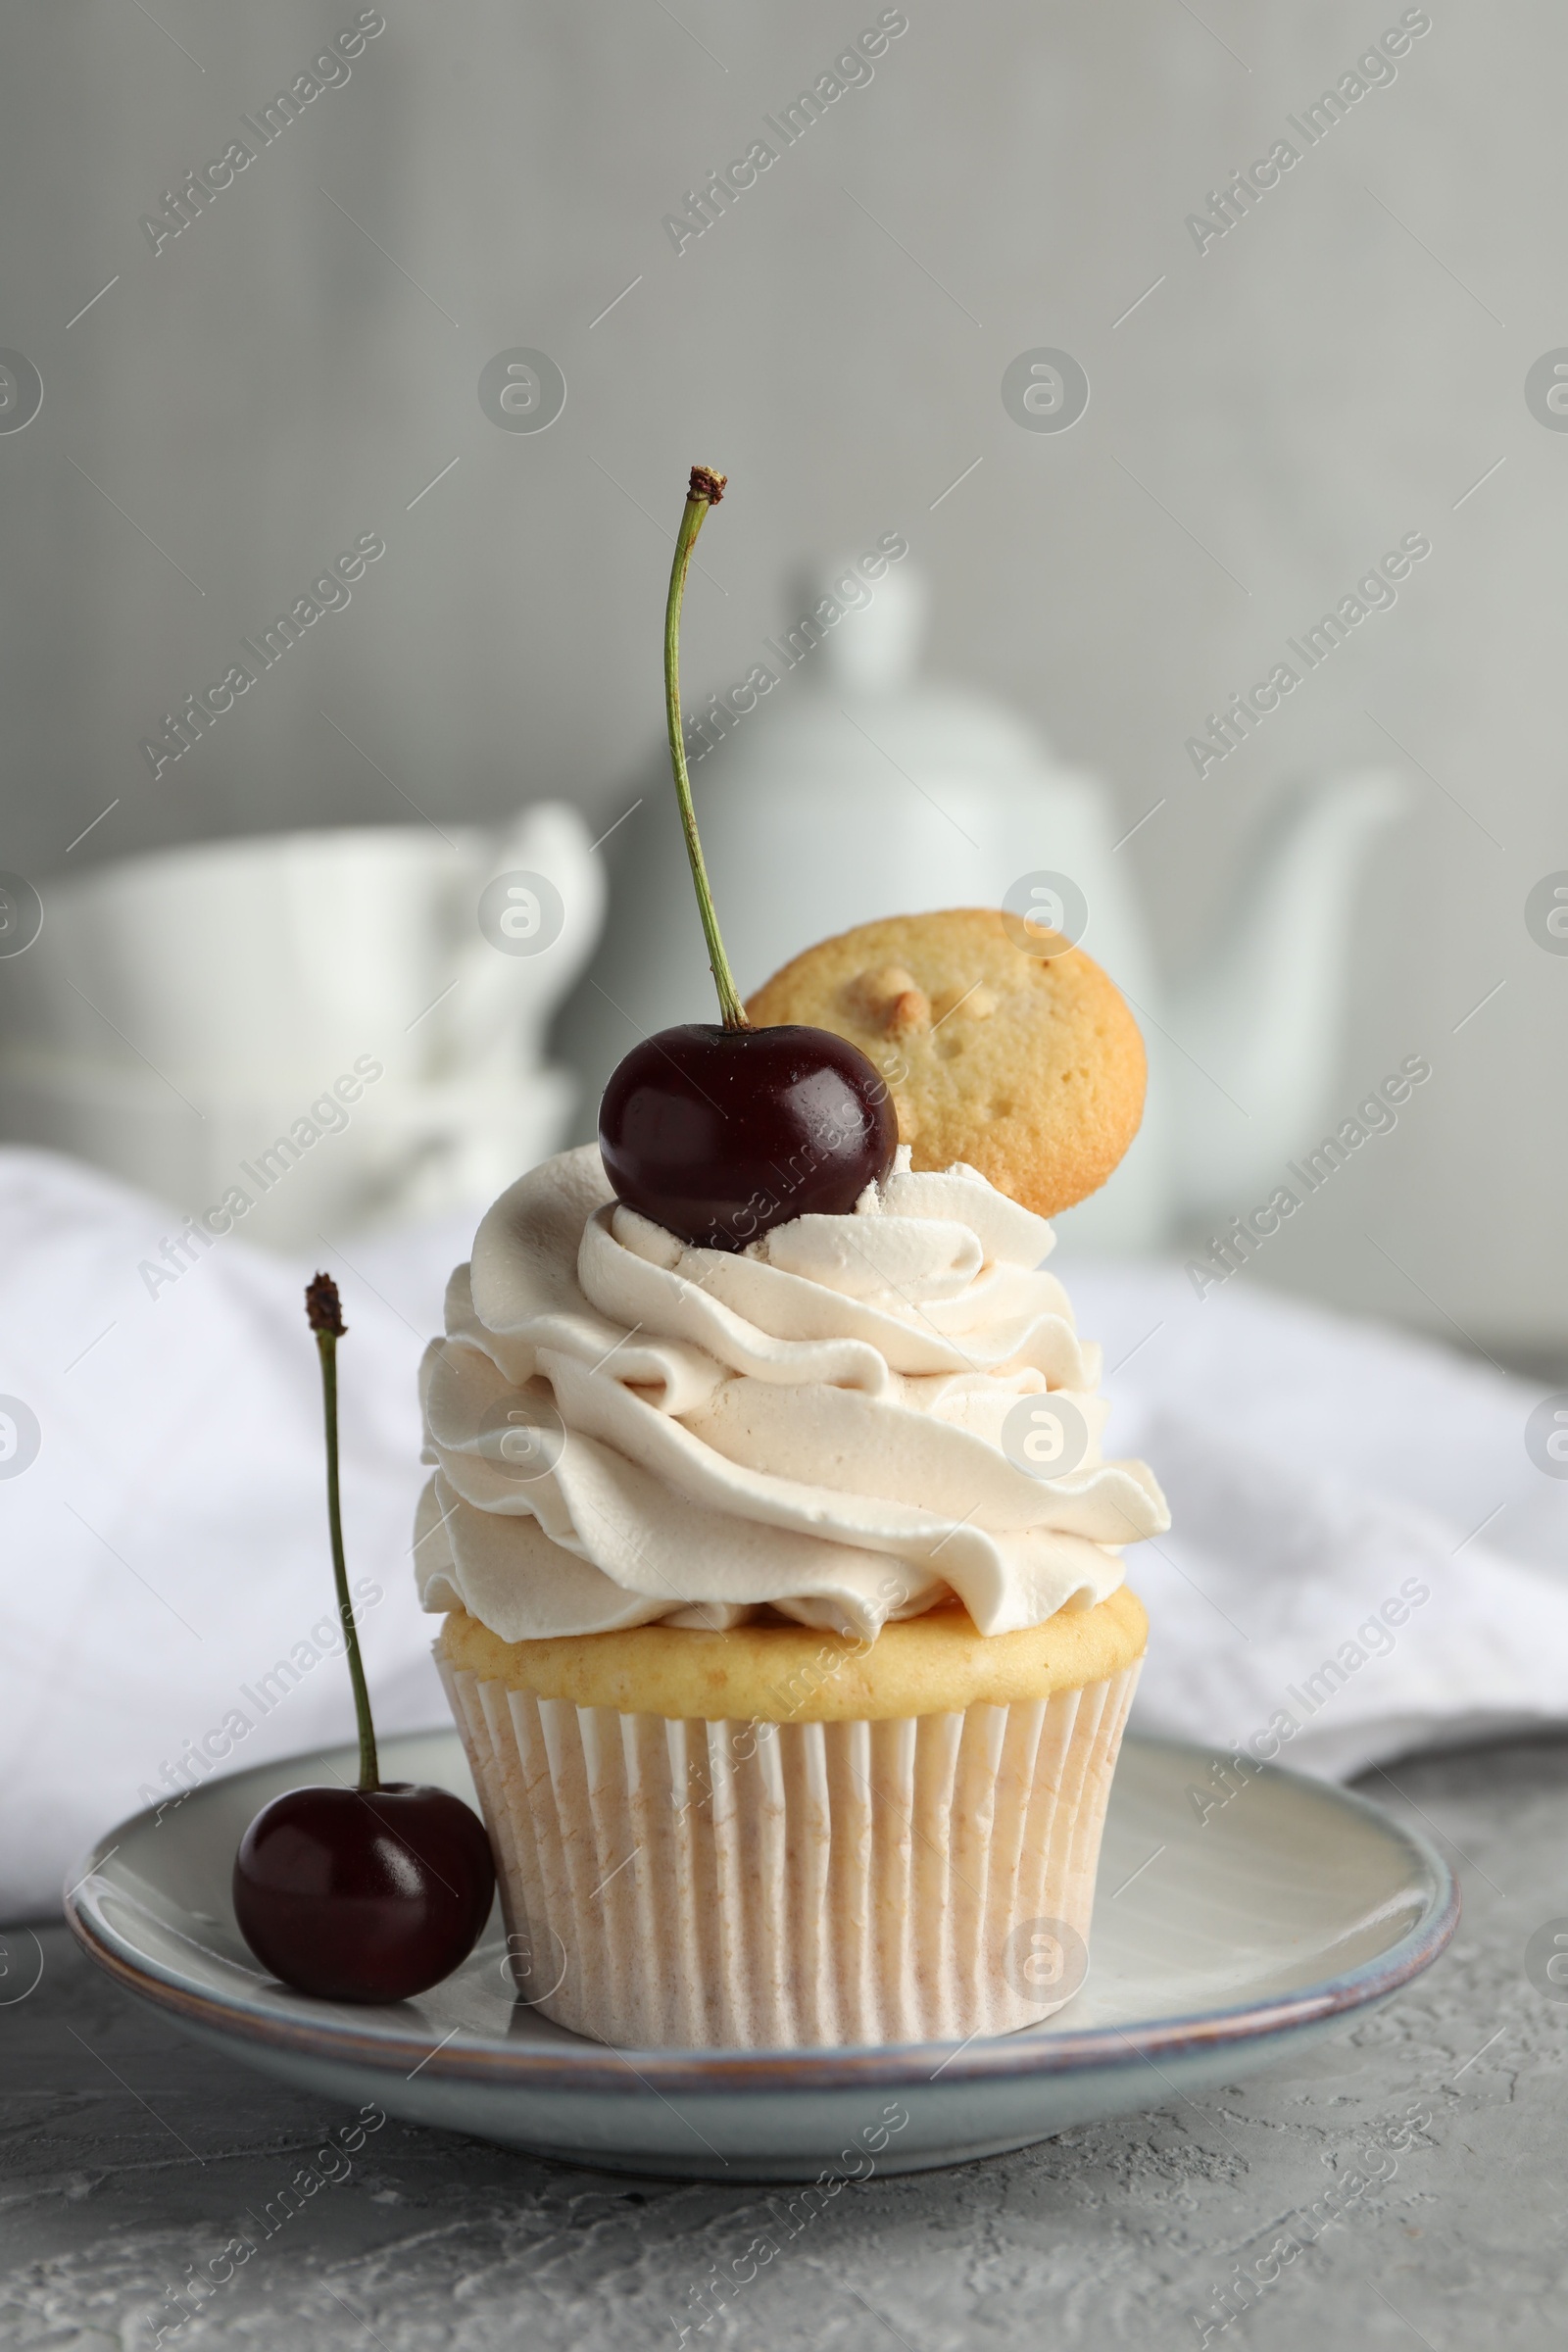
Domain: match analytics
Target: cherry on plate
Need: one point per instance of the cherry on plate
(364, 1894)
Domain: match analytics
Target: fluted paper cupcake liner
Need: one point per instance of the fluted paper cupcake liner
(689, 1885)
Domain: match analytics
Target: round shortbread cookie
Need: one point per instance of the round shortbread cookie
(1026, 1065)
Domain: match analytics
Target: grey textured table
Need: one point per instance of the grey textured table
(1416, 2168)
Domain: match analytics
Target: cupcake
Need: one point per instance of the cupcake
(792, 1690)
(779, 1558)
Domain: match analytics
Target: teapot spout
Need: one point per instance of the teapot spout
(1260, 1024)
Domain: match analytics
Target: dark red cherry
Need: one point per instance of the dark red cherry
(719, 1134)
(364, 1894)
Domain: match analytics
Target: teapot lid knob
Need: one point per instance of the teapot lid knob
(875, 647)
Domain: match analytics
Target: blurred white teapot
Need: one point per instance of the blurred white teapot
(854, 791)
(344, 1027)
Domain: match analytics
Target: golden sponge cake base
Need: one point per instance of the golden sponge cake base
(937, 1664)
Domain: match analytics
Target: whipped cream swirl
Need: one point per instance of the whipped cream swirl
(625, 1428)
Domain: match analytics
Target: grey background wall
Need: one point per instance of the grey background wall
(1341, 368)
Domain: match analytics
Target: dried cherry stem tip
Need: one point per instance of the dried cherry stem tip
(706, 490)
(323, 1312)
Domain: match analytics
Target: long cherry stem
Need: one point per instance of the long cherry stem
(707, 489)
(325, 1316)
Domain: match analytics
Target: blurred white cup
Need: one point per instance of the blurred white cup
(179, 1015)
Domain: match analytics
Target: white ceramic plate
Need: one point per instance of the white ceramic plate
(1218, 1946)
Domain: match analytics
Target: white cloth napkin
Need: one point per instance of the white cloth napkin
(1362, 1558)
(168, 1584)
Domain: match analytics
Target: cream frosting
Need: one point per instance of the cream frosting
(625, 1428)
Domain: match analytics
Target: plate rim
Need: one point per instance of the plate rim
(594, 2067)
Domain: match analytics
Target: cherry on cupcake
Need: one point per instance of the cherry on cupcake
(372, 1893)
(719, 1132)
